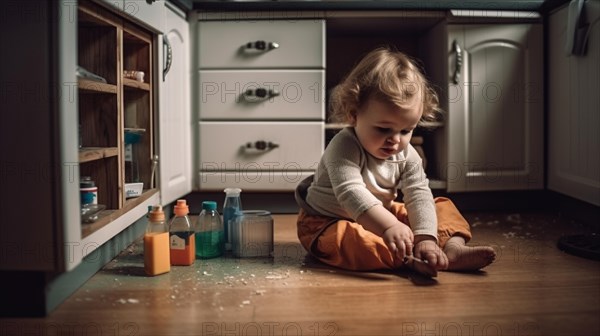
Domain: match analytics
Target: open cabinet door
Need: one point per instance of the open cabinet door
(175, 158)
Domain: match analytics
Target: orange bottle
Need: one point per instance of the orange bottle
(156, 243)
(182, 245)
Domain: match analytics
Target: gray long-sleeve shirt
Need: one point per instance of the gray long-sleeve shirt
(349, 181)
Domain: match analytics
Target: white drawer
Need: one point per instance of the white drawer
(223, 44)
(252, 180)
(291, 94)
(223, 146)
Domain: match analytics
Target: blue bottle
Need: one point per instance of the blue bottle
(231, 207)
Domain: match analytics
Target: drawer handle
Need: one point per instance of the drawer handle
(262, 45)
(261, 93)
(168, 56)
(261, 145)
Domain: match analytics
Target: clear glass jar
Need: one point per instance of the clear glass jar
(252, 234)
(231, 207)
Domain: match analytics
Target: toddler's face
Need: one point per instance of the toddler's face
(384, 129)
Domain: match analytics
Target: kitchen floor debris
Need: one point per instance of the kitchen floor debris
(533, 288)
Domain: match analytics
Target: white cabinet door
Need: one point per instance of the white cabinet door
(175, 125)
(147, 12)
(574, 110)
(495, 117)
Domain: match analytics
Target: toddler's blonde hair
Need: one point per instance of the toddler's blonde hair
(386, 75)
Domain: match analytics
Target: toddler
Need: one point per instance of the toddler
(349, 217)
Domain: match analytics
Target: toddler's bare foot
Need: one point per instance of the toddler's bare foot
(467, 258)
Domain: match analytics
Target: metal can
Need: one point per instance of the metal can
(88, 191)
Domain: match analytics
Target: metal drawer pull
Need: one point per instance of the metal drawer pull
(262, 45)
(262, 145)
(458, 61)
(260, 93)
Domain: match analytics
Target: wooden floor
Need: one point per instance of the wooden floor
(532, 289)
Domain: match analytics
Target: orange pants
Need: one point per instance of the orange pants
(348, 245)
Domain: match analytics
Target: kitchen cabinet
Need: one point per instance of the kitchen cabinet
(116, 121)
(147, 13)
(490, 135)
(495, 108)
(175, 124)
(91, 131)
(107, 129)
(573, 105)
(260, 102)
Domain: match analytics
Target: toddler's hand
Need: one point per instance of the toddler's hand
(429, 250)
(399, 239)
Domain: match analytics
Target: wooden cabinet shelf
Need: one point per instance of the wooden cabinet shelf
(134, 84)
(105, 217)
(89, 86)
(96, 153)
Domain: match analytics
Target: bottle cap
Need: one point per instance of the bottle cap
(209, 205)
(181, 208)
(232, 191)
(157, 214)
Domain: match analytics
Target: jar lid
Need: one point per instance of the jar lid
(86, 182)
(232, 191)
(255, 213)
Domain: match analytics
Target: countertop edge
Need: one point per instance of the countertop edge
(542, 6)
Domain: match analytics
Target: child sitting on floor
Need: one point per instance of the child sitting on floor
(349, 217)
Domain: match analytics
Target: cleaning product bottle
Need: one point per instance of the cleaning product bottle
(156, 243)
(181, 236)
(210, 236)
(231, 207)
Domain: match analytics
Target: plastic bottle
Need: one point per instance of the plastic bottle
(231, 208)
(181, 236)
(210, 236)
(156, 243)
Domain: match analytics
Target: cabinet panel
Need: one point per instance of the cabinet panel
(223, 145)
(574, 105)
(115, 110)
(495, 109)
(175, 112)
(290, 94)
(261, 104)
(223, 44)
(147, 12)
(270, 180)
